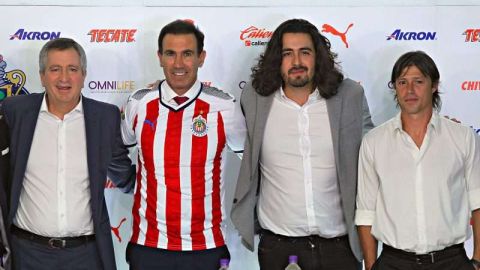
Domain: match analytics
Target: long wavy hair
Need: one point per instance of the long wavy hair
(266, 75)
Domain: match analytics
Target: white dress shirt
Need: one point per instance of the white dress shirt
(299, 193)
(55, 198)
(419, 199)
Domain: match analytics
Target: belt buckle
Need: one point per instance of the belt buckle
(57, 243)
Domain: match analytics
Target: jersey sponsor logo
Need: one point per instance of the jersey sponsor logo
(112, 35)
(398, 34)
(470, 85)
(21, 34)
(12, 82)
(254, 36)
(199, 126)
(472, 35)
(327, 28)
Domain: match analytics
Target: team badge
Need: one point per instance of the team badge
(199, 126)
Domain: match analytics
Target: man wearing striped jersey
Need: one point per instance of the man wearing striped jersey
(181, 129)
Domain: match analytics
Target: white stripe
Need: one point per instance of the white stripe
(5, 151)
(185, 176)
(159, 146)
(212, 149)
(143, 203)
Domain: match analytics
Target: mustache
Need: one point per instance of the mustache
(297, 68)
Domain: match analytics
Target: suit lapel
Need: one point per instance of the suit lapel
(262, 110)
(334, 109)
(91, 137)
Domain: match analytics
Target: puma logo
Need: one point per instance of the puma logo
(327, 28)
(116, 230)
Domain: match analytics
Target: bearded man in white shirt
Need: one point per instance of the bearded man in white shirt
(419, 180)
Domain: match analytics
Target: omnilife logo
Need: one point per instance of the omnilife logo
(255, 36)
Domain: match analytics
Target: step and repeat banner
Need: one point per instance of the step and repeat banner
(121, 46)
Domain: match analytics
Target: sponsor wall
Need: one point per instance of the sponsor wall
(121, 44)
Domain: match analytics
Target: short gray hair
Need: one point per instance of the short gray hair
(62, 44)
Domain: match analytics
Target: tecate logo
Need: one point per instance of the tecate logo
(472, 35)
(399, 35)
(21, 34)
(112, 35)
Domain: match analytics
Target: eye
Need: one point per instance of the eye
(188, 54)
(306, 52)
(54, 69)
(169, 53)
(419, 81)
(286, 53)
(401, 82)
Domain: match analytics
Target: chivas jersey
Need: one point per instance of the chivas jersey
(179, 191)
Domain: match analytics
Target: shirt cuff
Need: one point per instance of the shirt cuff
(364, 217)
(474, 199)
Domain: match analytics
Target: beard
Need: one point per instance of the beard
(299, 80)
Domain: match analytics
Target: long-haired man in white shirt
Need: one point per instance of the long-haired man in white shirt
(419, 180)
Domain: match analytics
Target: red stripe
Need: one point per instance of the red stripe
(136, 204)
(147, 143)
(199, 157)
(171, 162)
(216, 197)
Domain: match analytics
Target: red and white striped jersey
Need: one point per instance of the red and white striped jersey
(179, 191)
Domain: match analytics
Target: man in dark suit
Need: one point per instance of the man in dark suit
(62, 147)
(299, 170)
(4, 165)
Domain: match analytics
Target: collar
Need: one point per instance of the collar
(434, 121)
(168, 94)
(314, 96)
(78, 108)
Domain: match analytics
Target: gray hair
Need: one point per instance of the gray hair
(62, 44)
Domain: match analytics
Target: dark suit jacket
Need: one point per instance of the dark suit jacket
(4, 167)
(349, 119)
(105, 153)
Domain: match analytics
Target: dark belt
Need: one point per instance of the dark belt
(428, 258)
(309, 238)
(53, 242)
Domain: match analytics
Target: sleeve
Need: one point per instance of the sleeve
(472, 169)
(129, 121)
(120, 169)
(235, 128)
(368, 186)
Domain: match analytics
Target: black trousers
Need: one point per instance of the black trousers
(28, 255)
(147, 258)
(391, 259)
(314, 252)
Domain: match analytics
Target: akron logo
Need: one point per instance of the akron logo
(11, 82)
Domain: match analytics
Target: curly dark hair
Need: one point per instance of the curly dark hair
(266, 75)
(425, 64)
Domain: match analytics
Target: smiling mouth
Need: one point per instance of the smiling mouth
(64, 88)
